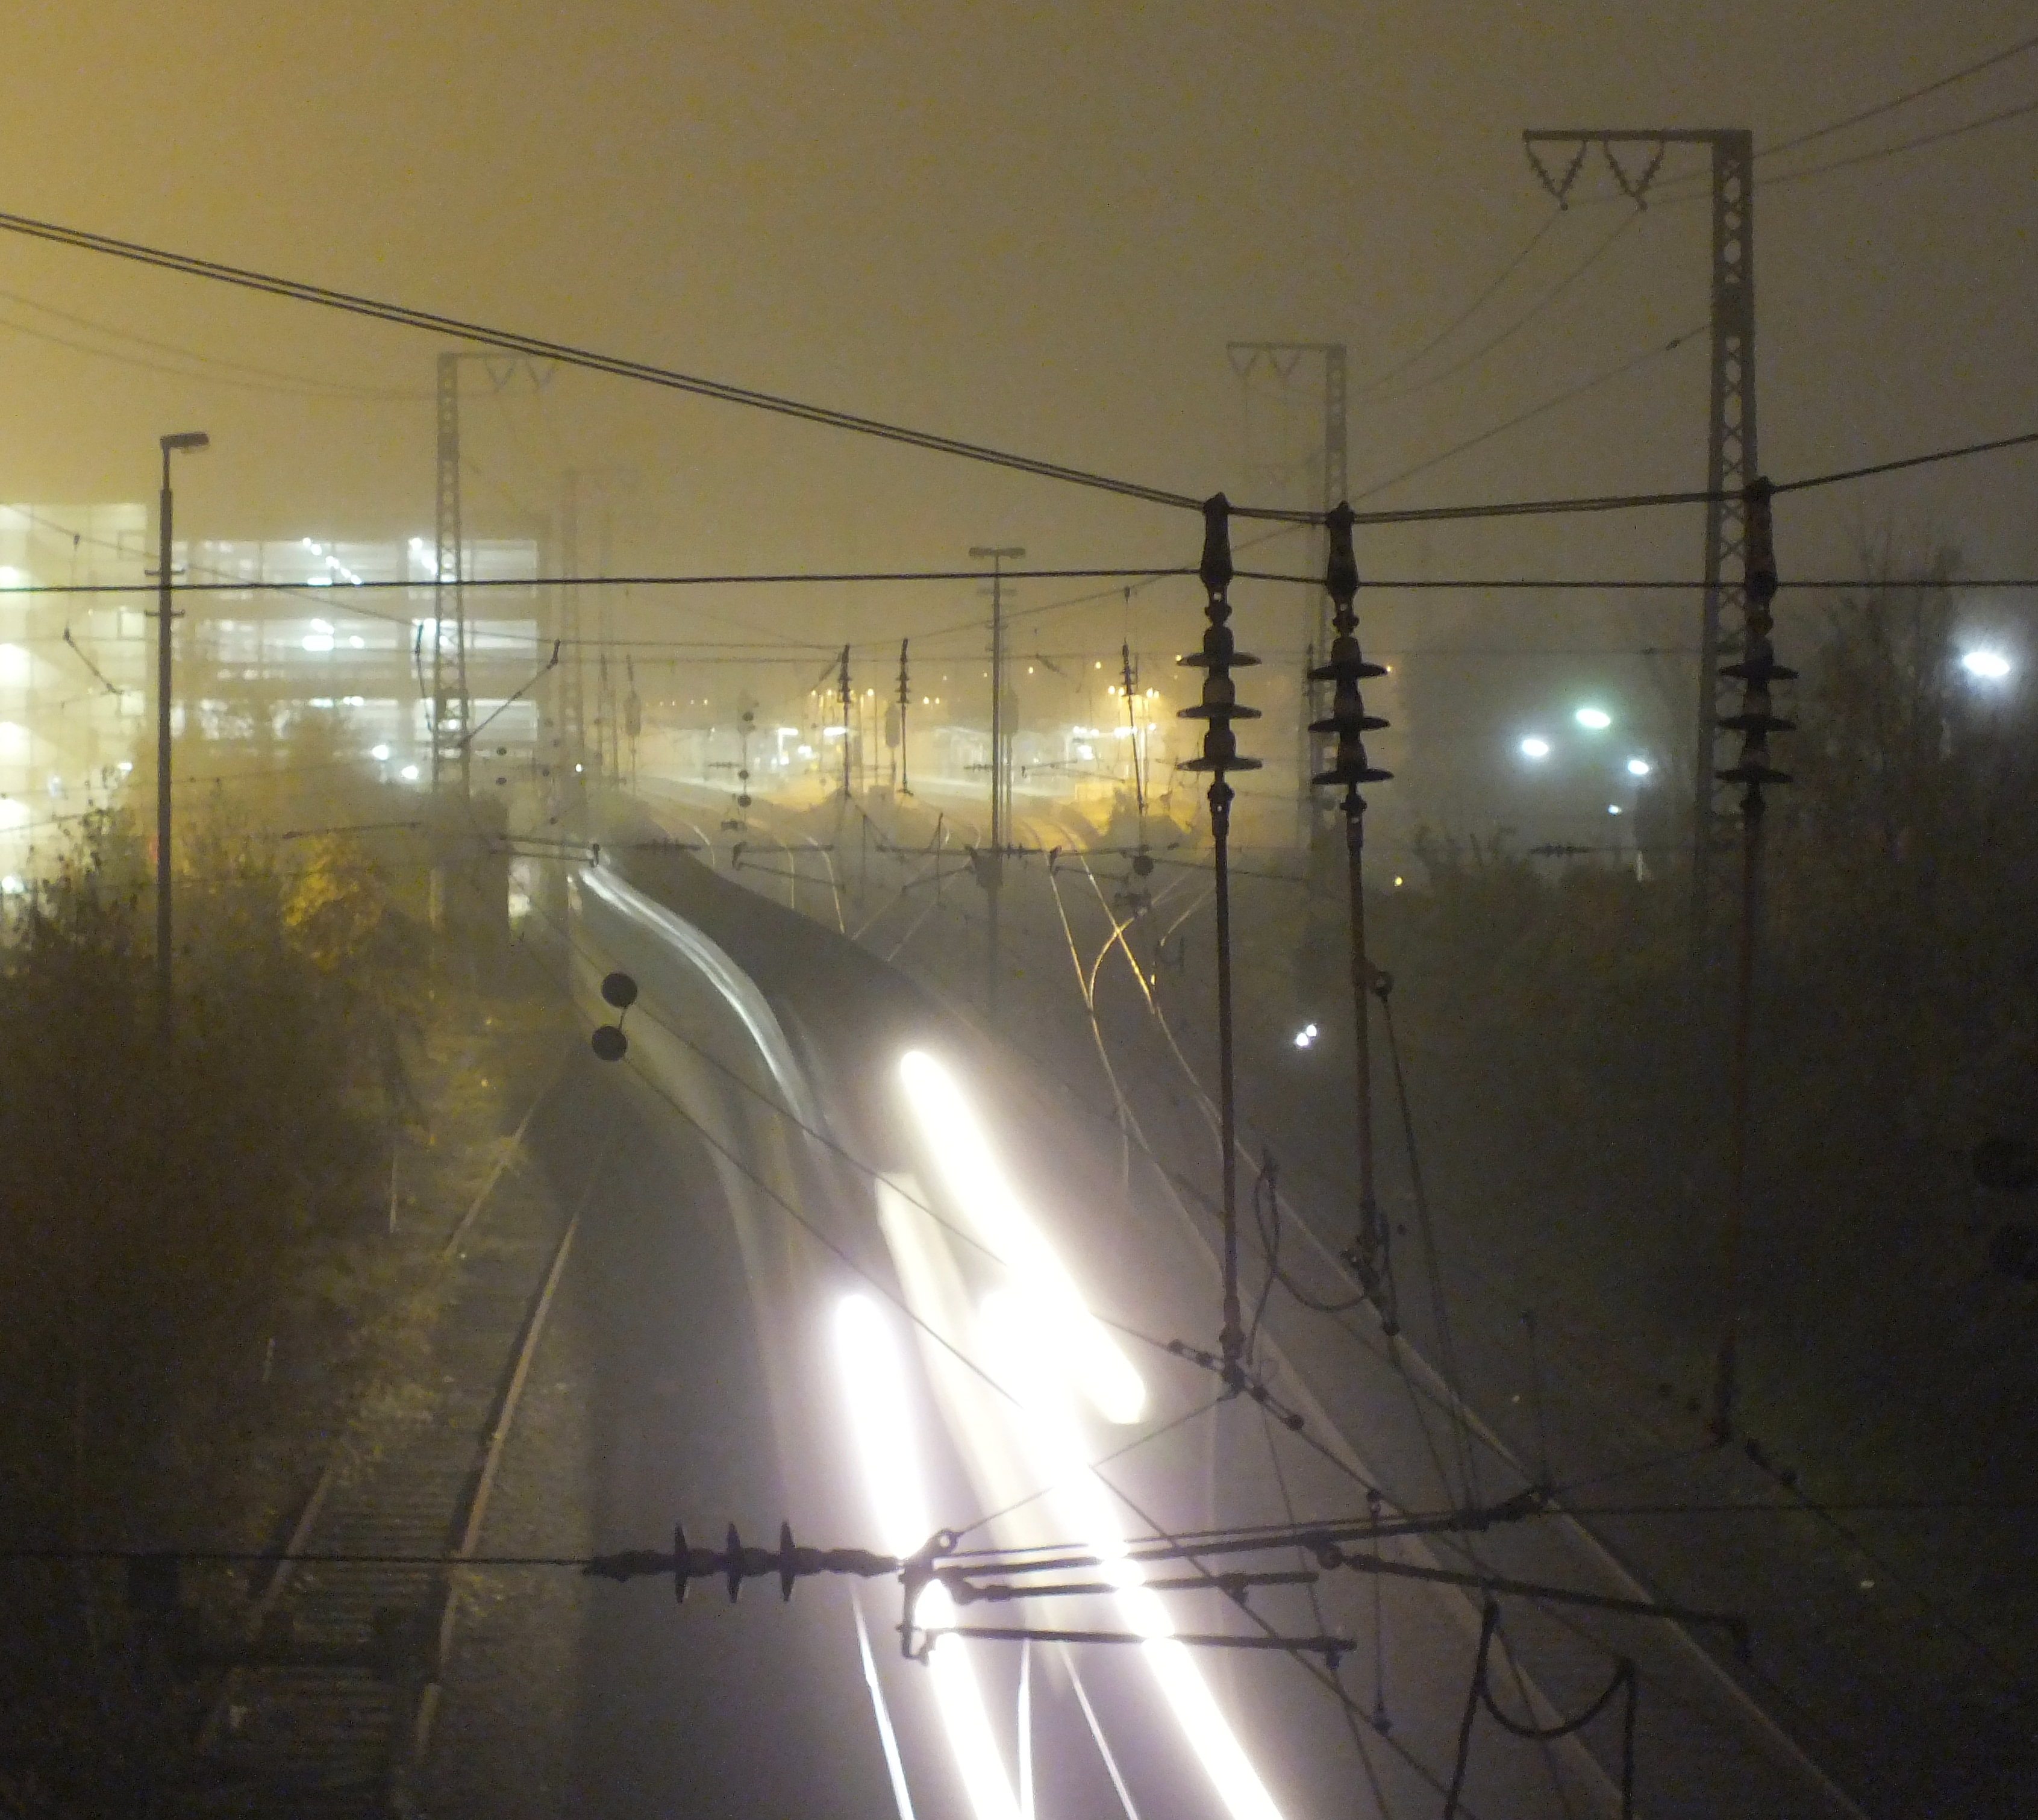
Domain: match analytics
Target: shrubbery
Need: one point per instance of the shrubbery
(154, 1188)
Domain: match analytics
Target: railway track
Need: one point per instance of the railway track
(333, 1717)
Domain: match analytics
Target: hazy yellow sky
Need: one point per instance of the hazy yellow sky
(1034, 226)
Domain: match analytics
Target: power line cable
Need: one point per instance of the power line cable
(1465, 315)
(1521, 321)
(1882, 152)
(615, 366)
(259, 379)
(1689, 189)
(228, 585)
(1534, 412)
(1902, 101)
(1898, 466)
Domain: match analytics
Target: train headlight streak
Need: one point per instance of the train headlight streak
(1021, 1359)
(970, 1172)
(880, 1423)
(894, 1765)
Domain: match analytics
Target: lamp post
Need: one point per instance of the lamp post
(187, 439)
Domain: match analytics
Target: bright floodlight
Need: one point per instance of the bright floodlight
(409, 774)
(1534, 748)
(1593, 720)
(1639, 768)
(1989, 667)
(380, 754)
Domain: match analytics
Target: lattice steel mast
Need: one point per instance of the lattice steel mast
(452, 706)
(1731, 456)
(452, 709)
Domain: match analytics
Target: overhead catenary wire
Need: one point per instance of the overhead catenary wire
(1465, 315)
(1501, 337)
(1689, 189)
(1566, 397)
(565, 354)
(1280, 1534)
(1911, 145)
(1965, 74)
(234, 374)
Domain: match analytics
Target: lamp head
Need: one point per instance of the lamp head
(187, 439)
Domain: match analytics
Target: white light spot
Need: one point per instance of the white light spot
(1989, 667)
(380, 755)
(409, 774)
(1639, 768)
(1534, 748)
(1593, 720)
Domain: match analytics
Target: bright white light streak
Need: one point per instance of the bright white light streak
(1032, 1369)
(886, 1736)
(963, 1157)
(880, 1421)
(1097, 1733)
(1990, 666)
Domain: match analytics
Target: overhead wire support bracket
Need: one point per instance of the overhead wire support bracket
(1218, 709)
(1755, 721)
(1370, 1255)
(544, 670)
(1480, 1693)
(76, 651)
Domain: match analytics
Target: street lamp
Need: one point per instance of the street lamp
(191, 440)
(1593, 720)
(1641, 770)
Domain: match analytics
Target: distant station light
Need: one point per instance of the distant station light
(1593, 720)
(1535, 748)
(1639, 768)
